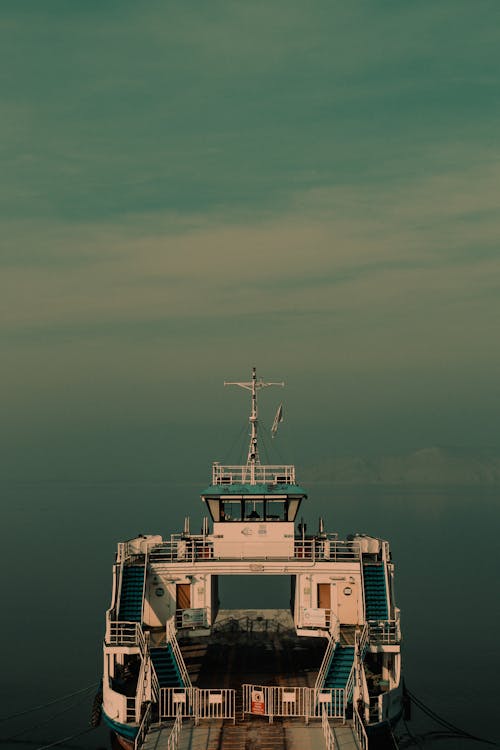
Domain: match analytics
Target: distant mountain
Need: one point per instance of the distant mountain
(435, 465)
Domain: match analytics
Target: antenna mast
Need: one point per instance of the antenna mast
(253, 449)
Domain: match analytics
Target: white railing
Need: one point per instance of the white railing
(177, 549)
(174, 736)
(384, 632)
(276, 701)
(259, 474)
(349, 687)
(143, 728)
(326, 549)
(309, 703)
(176, 701)
(359, 729)
(215, 704)
(329, 700)
(197, 703)
(361, 641)
(172, 640)
(327, 732)
(201, 549)
(317, 618)
(127, 634)
(325, 664)
(155, 685)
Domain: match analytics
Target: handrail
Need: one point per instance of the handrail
(384, 632)
(172, 640)
(257, 474)
(361, 641)
(359, 729)
(143, 728)
(327, 731)
(193, 549)
(173, 738)
(349, 687)
(125, 633)
(325, 664)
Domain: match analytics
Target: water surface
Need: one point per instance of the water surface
(59, 541)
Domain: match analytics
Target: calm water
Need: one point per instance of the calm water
(59, 541)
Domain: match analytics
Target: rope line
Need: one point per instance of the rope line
(50, 703)
(451, 730)
(46, 721)
(65, 739)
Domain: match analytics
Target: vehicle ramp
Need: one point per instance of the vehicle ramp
(345, 737)
(206, 736)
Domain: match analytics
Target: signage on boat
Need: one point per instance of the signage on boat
(193, 617)
(258, 706)
(314, 618)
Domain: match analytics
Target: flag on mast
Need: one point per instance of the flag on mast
(277, 419)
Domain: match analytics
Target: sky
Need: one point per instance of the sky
(191, 189)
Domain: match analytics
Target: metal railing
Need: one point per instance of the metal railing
(197, 703)
(326, 549)
(259, 474)
(359, 729)
(331, 700)
(349, 686)
(177, 549)
(308, 703)
(143, 728)
(172, 640)
(361, 641)
(174, 736)
(327, 732)
(192, 549)
(384, 632)
(176, 701)
(325, 664)
(122, 633)
(215, 704)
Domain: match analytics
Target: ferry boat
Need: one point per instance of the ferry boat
(327, 671)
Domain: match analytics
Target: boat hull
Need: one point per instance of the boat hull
(125, 734)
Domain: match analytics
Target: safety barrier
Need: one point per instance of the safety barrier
(128, 634)
(197, 703)
(325, 664)
(384, 632)
(171, 638)
(299, 702)
(143, 728)
(327, 732)
(359, 729)
(255, 474)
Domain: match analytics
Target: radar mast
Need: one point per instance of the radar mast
(253, 386)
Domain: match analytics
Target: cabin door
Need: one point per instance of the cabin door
(183, 596)
(324, 596)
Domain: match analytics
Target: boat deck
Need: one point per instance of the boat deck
(259, 647)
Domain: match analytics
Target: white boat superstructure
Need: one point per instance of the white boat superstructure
(165, 593)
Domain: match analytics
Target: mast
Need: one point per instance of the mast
(253, 386)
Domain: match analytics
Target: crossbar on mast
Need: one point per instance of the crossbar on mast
(253, 386)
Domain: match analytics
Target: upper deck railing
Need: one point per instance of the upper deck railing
(194, 549)
(252, 474)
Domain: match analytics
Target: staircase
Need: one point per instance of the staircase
(340, 667)
(166, 667)
(130, 609)
(338, 675)
(375, 591)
